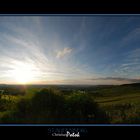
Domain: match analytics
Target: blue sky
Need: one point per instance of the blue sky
(97, 49)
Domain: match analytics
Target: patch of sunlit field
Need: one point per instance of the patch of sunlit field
(10, 97)
(122, 105)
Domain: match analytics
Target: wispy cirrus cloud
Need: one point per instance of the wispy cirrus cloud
(71, 50)
(63, 52)
(26, 48)
(130, 65)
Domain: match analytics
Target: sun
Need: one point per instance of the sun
(23, 74)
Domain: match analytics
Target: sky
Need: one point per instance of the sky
(91, 50)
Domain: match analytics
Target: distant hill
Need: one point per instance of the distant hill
(132, 85)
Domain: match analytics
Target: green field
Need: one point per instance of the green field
(71, 104)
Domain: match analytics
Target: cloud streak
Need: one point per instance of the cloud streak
(64, 52)
(25, 48)
(120, 79)
(73, 52)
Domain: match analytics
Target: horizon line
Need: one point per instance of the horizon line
(74, 84)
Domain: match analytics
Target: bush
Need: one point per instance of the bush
(50, 106)
(44, 107)
(82, 109)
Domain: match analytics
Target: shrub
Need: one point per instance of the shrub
(50, 106)
(44, 107)
(83, 109)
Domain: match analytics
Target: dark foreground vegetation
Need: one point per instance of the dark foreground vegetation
(70, 104)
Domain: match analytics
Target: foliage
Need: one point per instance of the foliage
(50, 106)
(101, 104)
(83, 109)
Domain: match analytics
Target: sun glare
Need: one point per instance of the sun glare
(23, 74)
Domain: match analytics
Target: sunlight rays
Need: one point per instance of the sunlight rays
(23, 73)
